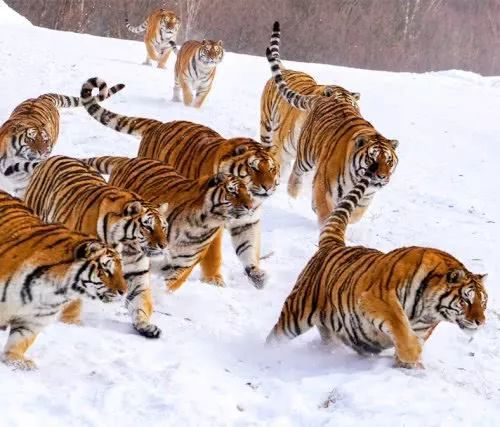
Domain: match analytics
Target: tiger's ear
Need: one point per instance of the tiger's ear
(482, 277)
(87, 249)
(163, 209)
(220, 43)
(239, 150)
(455, 276)
(215, 180)
(360, 141)
(328, 91)
(132, 208)
(356, 95)
(394, 143)
(204, 42)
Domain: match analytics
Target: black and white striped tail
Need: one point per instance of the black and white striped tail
(104, 164)
(301, 102)
(137, 30)
(129, 125)
(334, 230)
(64, 101)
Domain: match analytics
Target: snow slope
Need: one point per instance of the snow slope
(210, 367)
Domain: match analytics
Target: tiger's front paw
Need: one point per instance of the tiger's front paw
(257, 276)
(147, 330)
(18, 362)
(408, 354)
(216, 280)
(294, 186)
(405, 365)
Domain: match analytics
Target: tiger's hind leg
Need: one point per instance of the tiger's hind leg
(211, 262)
(71, 312)
(139, 299)
(187, 95)
(322, 199)
(176, 97)
(22, 334)
(151, 54)
(245, 236)
(388, 315)
(295, 181)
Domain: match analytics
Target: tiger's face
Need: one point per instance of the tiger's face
(462, 299)
(211, 52)
(338, 93)
(99, 272)
(256, 165)
(170, 24)
(228, 196)
(140, 228)
(376, 154)
(30, 143)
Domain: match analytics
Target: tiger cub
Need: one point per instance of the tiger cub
(66, 190)
(336, 142)
(161, 28)
(31, 132)
(194, 150)
(373, 300)
(195, 70)
(43, 267)
(197, 210)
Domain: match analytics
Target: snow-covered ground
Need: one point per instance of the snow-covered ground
(210, 367)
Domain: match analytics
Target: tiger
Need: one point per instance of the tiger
(372, 300)
(195, 150)
(195, 70)
(160, 28)
(31, 132)
(197, 209)
(65, 190)
(43, 267)
(337, 142)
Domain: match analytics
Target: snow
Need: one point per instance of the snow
(210, 366)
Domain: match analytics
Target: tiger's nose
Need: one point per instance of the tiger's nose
(120, 292)
(479, 322)
(373, 168)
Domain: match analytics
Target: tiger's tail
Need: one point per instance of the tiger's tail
(130, 125)
(105, 164)
(301, 102)
(334, 230)
(64, 101)
(137, 30)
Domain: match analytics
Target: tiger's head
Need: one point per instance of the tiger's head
(97, 272)
(228, 196)
(376, 154)
(29, 142)
(338, 93)
(139, 227)
(459, 297)
(211, 52)
(169, 23)
(255, 164)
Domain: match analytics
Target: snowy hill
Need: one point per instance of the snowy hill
(210, 367)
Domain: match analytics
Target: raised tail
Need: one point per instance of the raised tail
(105, 164)
(334, 230)
(130, 125)
(301, 102)
(137, 30)
(65, 101)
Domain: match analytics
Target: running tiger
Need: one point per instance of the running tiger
(31, 132)
(337, 142)
(195, 70)
(194, 151)
(66, 190)
(161, 31)
(43, 267)
(373, 301)
(197, 211)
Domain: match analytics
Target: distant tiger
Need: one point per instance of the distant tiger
(373, 300)
(197, 210)
(161, 28)
(280, 123)
(195, 70)
(194, 151)
(31, 132)
(335, 141)
(66, 190)
(43, 267)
